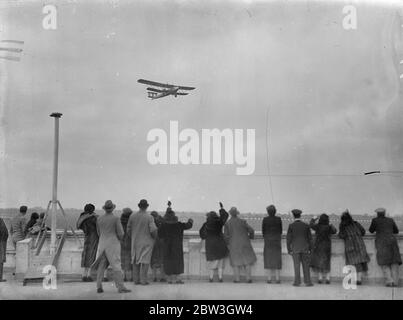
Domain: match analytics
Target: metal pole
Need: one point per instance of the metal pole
(54, 187)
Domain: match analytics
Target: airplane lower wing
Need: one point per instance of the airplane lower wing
(182, 93)
(155, 90)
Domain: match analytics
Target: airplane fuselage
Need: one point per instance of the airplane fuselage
(172, 91)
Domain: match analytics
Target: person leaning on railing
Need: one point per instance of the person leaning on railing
(387, 248)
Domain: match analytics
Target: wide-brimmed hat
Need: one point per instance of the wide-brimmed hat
(143, 203)
(109, 205)
(380, 210)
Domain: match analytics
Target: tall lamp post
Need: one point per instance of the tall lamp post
(57, 116)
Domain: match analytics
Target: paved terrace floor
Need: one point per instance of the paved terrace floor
(201, 290)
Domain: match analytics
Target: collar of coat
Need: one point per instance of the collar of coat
(84, 216)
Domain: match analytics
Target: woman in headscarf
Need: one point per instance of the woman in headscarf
(171, 232)
(88, 223)
(3, 246)
(354, 246)
(387, 248)
(272, 230)
(216, 248)
(126, 246)
(157, 256)
(322, 248)
(237, 234)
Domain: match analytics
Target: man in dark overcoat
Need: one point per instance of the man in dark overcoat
(387, 248)
(299, 245)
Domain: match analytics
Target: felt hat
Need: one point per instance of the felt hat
(143, 203)
(296, 213)
(109, 205)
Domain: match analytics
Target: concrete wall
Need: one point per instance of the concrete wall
(194, 257)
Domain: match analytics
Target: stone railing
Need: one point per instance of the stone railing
(194, 257)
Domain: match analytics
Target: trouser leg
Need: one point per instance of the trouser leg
(277, 274)
(118, 278)
(136, 273)
(1, 271)
(128, 275)
(220, 272)
(395, 273)
(248, 272)
(144, 273)
(100, 271)
(269, 274)
(297, 268)
(305, 268)
(387, 273)
(236, 273)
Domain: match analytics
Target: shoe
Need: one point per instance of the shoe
(327, 282)
(249, 281)
(105, 279)
(136, 282)
(89, 279)
(390, 285)
(163, 280)
(359, 283)
(236, 281)
(268, 281)
(170, 282)
(155, 280)
(124, 290)
(84, 279)
(100, 290)
(210, 280)
(144, 283)
(296, 284)
(278, 281)
(220, 280)
(179, 282)
(309, 284)
(320, 281)
(3, 280)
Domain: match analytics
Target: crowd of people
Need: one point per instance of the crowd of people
(134, 242)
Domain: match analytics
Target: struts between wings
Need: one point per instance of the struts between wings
(164, 89)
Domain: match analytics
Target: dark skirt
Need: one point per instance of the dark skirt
(89, 253)
(158, 254)
(126, 253)
(272, 254)
(3, 251)
(321, 255)
(361, 267)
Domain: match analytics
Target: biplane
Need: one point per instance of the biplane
(163, 89)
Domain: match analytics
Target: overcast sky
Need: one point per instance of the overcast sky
(328, 92)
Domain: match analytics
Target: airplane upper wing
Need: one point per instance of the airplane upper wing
(186, 88)
(153, 83)
(164, 85)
